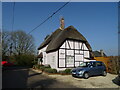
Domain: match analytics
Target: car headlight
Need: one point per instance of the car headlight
(81, 72)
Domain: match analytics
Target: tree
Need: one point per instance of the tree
(18, 47)
(5, 43)
(22, 43)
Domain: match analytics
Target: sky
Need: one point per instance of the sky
(96, 21)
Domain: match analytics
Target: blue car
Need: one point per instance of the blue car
(87, 69)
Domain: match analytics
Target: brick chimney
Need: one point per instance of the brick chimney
(62, 24)
(102, 53)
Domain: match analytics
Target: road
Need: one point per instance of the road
(21, 77)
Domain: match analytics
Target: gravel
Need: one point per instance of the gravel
(92, 82)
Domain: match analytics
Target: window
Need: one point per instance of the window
(94, 64)
(70, 59)
(99, 64)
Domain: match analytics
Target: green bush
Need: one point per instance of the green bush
(47, 66)
(50, 70)
(66, 71)
(35, 66)
(24, 60)
(61, 72)
(42, 68)
(54, 70)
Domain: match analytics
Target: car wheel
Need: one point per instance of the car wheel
(86, 75)
(73, 75)
(104, 73)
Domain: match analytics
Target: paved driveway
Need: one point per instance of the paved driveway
(93, 82)
(38, 80)
(21, 77)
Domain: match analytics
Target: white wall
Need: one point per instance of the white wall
(52, 59)
(86, 54)
(49, 58)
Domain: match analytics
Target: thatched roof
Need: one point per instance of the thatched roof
(59, 36)
(49, 38)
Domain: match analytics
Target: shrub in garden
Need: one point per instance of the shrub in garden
(54, 70)
(42, 68)
(47, 66)
(24, 60)
(50, 70)
(66, 71)
(61, 72)
(35, 66)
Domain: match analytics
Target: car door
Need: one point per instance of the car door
(99, 68)
(93, 69)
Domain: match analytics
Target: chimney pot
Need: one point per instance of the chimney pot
(102, 53)
(62, 24)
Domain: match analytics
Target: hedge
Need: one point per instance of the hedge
(50, 70)
(66, 71)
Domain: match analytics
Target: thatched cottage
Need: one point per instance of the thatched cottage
(65, 48)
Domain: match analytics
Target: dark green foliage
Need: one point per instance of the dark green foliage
(36, 66)
(18, 48)
(66, 71)
(35, 61)
(24, 60)
(47, 66)
(5, 58)
(42, 68)
(54, 70)
(50, 70)
(61, 72)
